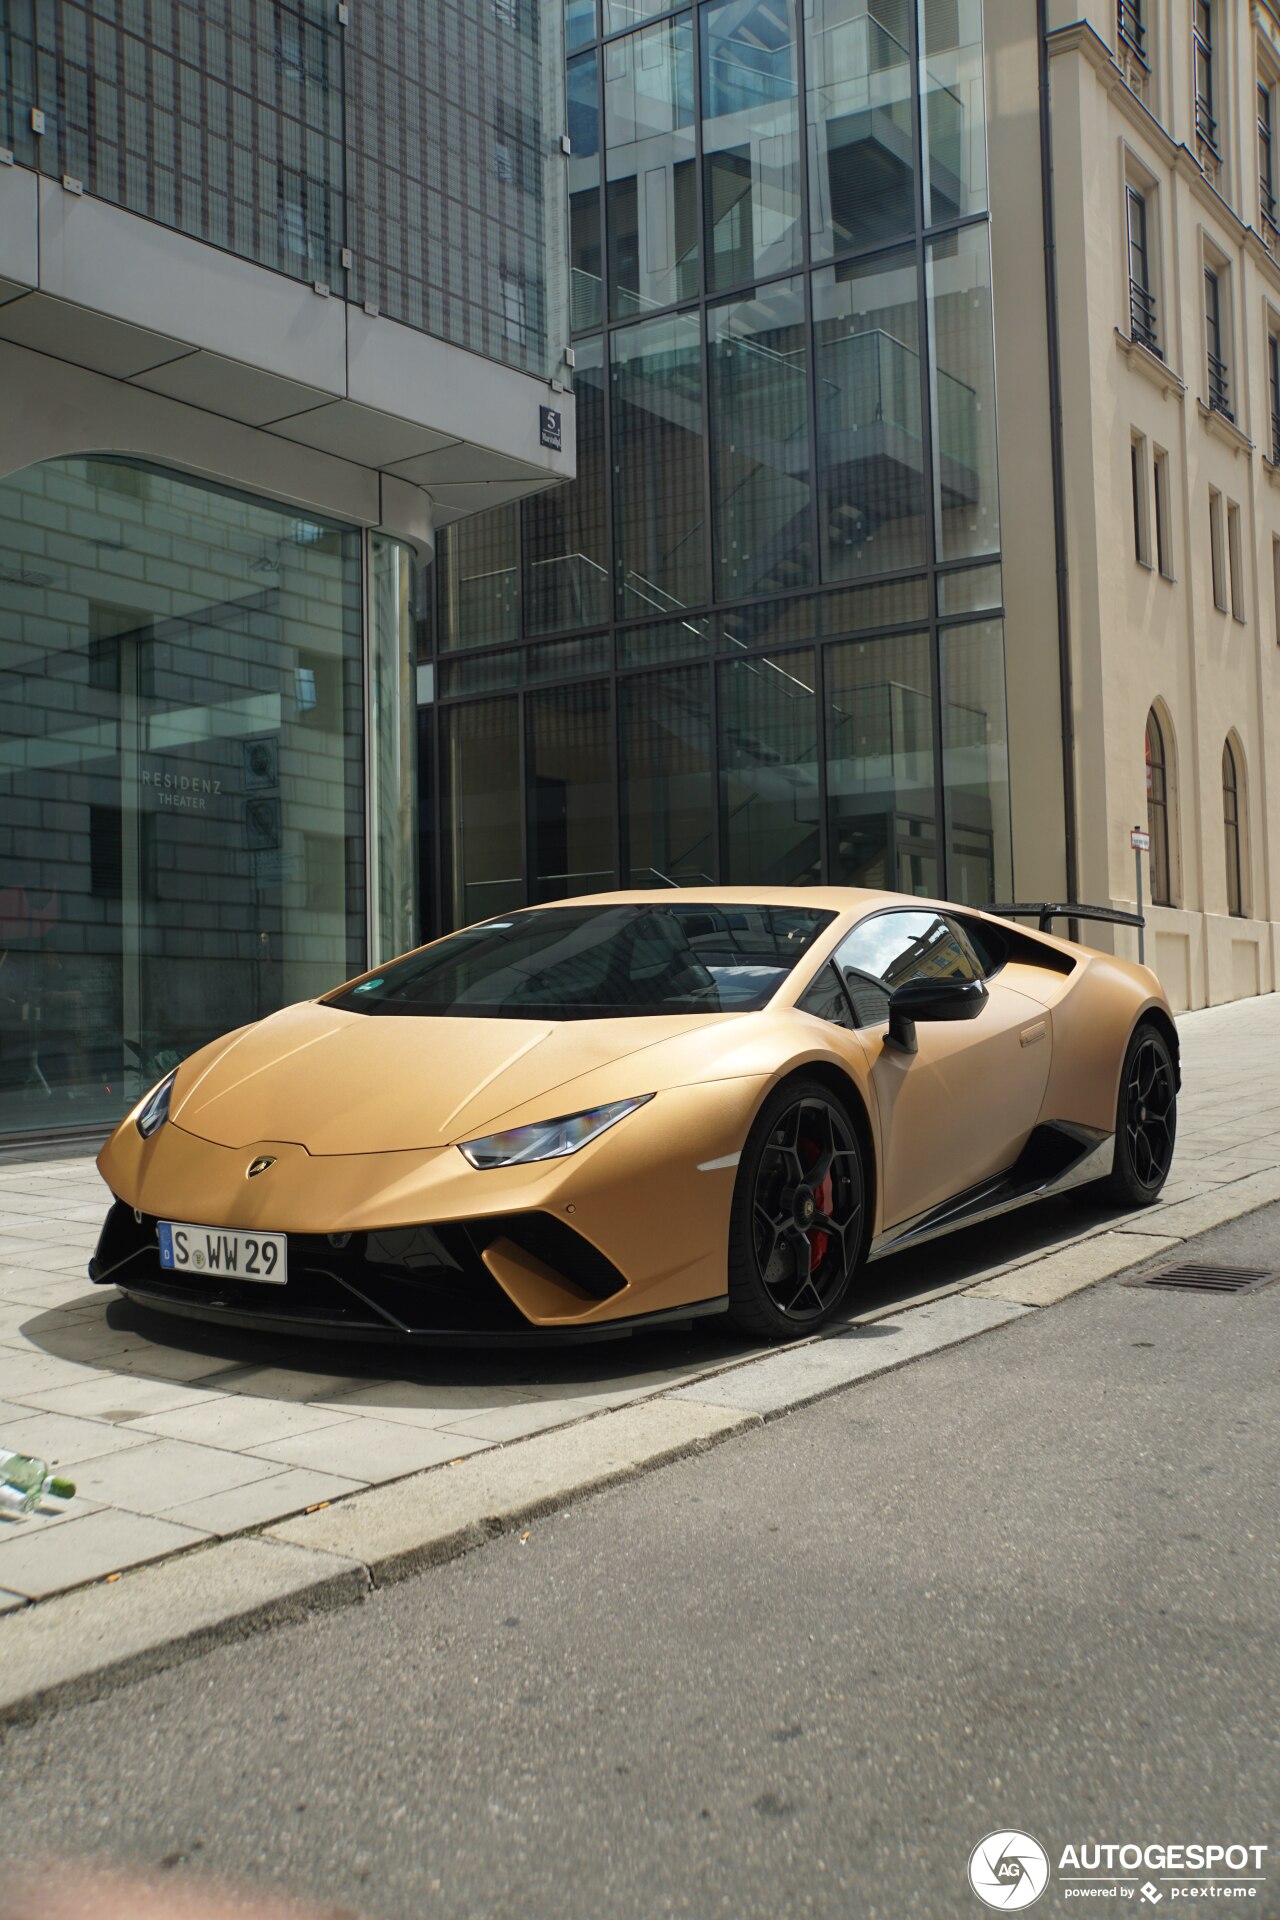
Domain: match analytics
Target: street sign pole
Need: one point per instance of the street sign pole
(1138, 840)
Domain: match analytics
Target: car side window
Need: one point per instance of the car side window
(888, 949)
(826, 999)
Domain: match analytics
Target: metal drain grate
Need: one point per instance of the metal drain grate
(1194, 1277)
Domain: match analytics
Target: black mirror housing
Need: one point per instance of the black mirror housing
(931, 1000)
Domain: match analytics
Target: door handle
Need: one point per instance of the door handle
(1036, 1032)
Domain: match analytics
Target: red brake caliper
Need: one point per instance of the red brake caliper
(822, 1195)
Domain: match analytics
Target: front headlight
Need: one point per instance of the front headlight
(548, 1139)
(154, 1110)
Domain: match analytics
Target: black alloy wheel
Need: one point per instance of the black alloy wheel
(798, 1214)
(1146, 1119)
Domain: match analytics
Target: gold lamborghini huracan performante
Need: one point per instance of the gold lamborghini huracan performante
(578, 1118)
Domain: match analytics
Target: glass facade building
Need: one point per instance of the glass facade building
(405, 157)
(759, 638)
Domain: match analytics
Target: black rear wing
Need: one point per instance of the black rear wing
(1047, 911)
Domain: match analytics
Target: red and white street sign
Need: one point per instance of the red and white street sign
(1140, 841)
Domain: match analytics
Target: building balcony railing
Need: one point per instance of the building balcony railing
(1275, 439)
(1142, 318)
(1219, 387)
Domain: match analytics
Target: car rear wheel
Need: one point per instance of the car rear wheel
(1146, 1119)
(796, 1231)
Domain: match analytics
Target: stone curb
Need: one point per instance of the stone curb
(77, 1645)
(400, 1528)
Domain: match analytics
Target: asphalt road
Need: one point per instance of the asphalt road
(1026, 1583)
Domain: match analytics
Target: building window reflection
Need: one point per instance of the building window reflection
(760, 443)
(871, 447)
(750, 141)
(181, 776)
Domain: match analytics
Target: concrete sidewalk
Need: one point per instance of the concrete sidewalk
(181, 1438)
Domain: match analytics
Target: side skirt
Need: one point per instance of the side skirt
(1056, 1158)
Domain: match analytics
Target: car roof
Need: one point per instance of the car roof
(832, 899)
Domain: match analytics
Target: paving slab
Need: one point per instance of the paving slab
(287, 1491)
(1190, 1217)
(798, 1375)
(1071, 1268)
(370, 1450)
(46, 1561)
(83, 1642)
(61, 1437)
(396, 1530)
(147, 1478)
(10, 1602)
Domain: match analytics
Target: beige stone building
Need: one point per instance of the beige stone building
(1137, 320)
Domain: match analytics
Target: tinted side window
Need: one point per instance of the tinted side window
(825, 997)
(889, 949)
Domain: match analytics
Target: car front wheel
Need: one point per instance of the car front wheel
(796, 1230)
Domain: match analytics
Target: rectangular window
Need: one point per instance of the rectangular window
(1202, 55)
(651, 220)
(1235, 560)
(1133, 31)
(1215, 346)
(1266, 159)
(1275, 584)
(1164, 529)
(760, 443)
(659, 512)
(1141, 513)
(1216, 557)
(1273, 373)
(750, 143)
(1142, 298)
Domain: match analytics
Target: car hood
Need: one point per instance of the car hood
(341, 1083)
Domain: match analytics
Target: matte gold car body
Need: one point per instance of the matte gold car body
(382, 1104)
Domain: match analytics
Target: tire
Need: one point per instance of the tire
(783, 1217)
(1146, 1120)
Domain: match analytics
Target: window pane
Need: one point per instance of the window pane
(768, 718)
(750, 140)
(566, 549)
(659, 518)
(760, 443)
(480, 748)
(880, 787)
(586, 267)
(668, 823)
(963, 391)
(953, 121)
(862, 170)
(870, 442)
(667, 640)
(771, 624)
(973, 589)
(579, 23)
(181, 776)
(975, 764)
(620, 14)
(571, 797)
(652, 195)
(476, 574)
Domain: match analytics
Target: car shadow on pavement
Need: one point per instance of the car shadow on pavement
(131, 1340)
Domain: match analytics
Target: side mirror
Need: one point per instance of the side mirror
(931, 1000)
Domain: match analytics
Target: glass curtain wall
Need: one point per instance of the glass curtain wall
(182, 804)
(760, 637)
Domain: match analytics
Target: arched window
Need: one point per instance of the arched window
(1158, 812)
(1232, 810)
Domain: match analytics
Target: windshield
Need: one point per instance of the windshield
(598, 963)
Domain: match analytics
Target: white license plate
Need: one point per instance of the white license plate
(215, 1254)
